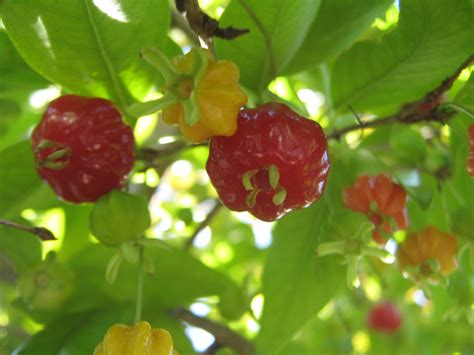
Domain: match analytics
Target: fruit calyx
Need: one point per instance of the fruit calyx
(58, 155)
(265, 179)
(179, 87)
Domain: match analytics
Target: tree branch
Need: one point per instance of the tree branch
(204, 25)
(224, 336)
(424, 110)
(203, 224)
(43, 233)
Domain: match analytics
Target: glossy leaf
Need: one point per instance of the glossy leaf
(179, 278)
(410, 61)
(21, 250)
(277, 29)
(15, 74)
(90, 47)
(296, 284)
(80, 333)
(337, 25)
(20, 187)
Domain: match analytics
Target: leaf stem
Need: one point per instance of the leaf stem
(141, 274)
(157, 59)
(140, 109)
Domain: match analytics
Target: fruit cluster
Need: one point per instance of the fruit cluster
(382, 201)
(267, 160)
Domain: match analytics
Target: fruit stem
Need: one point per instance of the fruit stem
(375, 252)
(141, 274)
(157, 59)
(140, 109)
(352, 265)
(330, 248)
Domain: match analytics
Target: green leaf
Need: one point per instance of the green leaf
(75, 334)
(76, 233)
(407, 145)
(431, 41)
(89, 47)
(460, 188)
(179, 278)
(296, 283)
(337, 25)
(15, 74)
(20, 187)
(21, 248)
(80, 333)
(277, 29)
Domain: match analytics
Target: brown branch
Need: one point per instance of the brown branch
(224, 336)
(204, 25)
(212, 349)
(203, 225)
(426, 109)
(43, 233)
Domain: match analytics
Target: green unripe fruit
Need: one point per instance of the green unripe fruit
(233, 304)
(46, 286)
(119, 217)
(408, 146)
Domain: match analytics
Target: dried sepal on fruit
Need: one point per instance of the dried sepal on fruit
(139, 339)
(277, 161)
(382, 201)
(82, 148)
(428, 254)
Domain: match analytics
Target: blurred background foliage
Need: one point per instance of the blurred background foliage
(324, 58)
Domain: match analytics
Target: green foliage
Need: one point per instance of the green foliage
(409, 61)
(273, 39)
(87, 50)
(293, 278)
(337, 25)
(264, 281)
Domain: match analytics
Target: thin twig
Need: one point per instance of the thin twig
(203, 224)
(224, 336)
(212, 349)
(204, 25)
(426, 109)
(43, 233)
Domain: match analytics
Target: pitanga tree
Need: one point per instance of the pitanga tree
(243, 176)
